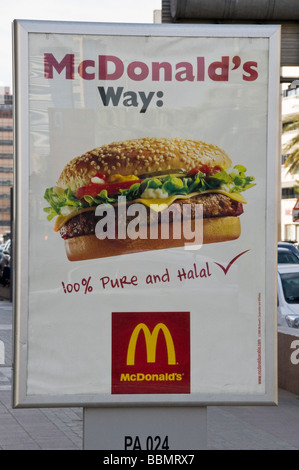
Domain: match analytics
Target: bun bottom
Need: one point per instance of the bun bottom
(215, 230)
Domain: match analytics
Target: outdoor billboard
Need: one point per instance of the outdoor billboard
(116, 126)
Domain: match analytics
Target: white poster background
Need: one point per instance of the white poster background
(69, 334)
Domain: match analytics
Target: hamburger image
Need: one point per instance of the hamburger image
(155, 172)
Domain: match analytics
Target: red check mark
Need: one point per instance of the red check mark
(225, 270)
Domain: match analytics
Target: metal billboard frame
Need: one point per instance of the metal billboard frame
(21, 31)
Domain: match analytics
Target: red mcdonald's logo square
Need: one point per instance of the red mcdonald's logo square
(150, 352)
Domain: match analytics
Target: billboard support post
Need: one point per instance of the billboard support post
(149, 429)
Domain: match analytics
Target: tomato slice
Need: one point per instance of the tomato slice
(93, 189)
(208, 170)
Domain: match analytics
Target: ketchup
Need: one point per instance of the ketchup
(208, 170)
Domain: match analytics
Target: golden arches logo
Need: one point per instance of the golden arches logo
(151, 343)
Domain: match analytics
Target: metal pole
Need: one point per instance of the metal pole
(145, 428)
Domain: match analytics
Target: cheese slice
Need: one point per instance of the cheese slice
(62, 219)
(157, 204)
(234, 196)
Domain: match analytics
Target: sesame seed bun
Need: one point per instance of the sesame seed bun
(139, 156)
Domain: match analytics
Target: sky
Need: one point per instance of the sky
(118, 11)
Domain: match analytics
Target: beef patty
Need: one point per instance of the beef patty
(214, 205)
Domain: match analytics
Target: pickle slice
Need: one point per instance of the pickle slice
(161, 173)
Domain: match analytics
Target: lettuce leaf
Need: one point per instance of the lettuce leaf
(231, 180)
(102, 198)
(58, 198)
(234, 180)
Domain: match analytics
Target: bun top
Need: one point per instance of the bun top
(138, 156)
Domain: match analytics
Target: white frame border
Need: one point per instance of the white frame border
(21, 31)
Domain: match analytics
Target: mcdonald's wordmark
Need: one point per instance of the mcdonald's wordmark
(150, 352)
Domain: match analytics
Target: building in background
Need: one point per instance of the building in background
(6, 161)
(289, 181)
